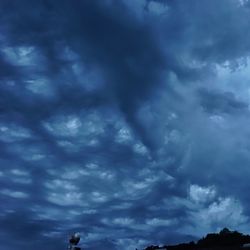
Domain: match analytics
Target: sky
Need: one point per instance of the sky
(124, 120)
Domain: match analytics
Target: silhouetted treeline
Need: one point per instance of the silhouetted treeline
(225, 239)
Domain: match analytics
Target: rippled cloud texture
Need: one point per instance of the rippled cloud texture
(127, 121)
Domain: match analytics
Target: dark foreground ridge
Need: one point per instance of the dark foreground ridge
(224, 240)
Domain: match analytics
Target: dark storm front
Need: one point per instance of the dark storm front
(126, 120)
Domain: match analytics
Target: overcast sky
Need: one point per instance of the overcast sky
(125, 120)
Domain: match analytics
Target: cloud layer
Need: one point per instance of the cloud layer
(123, 120)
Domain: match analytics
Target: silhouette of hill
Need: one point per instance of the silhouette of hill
(224, 240)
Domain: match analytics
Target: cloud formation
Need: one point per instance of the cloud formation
(123, 120)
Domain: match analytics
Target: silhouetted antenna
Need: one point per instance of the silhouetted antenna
(73, 241)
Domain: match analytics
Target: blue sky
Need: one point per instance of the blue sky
(124, 120)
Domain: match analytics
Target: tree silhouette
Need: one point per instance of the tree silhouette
(223, 240)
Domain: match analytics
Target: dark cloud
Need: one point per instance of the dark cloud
(216, 102)
(119, 119)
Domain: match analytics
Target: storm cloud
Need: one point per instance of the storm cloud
(124, 120)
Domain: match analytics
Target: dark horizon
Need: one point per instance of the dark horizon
(124, 120)
(225, 239)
